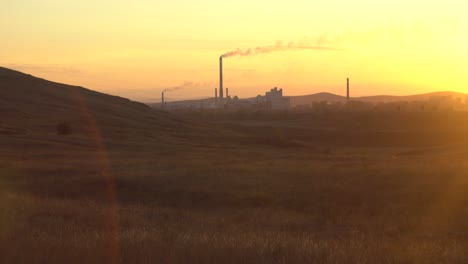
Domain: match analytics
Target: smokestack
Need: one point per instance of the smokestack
(347, 89)
(162, 100)
(227, 92)
(221, 77)
(216, 94)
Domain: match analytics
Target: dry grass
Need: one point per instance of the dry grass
(232, 199)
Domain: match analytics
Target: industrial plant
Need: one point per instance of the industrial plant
(274, 100)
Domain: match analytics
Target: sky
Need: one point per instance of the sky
(138, 48)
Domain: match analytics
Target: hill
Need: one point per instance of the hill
(411, 98)
(319, 97)
(32, 105)
(135, 185)
(329, 97)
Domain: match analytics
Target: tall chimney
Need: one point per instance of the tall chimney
(347, 89)
(216, 94)
(162, 100)
(221, 77)
(227, 92)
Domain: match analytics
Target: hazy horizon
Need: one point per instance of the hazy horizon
(153, 95)
(138, 49)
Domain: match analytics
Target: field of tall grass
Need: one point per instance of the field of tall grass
(236, 198)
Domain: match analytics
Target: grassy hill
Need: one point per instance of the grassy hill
(133, 185)
(31, 104)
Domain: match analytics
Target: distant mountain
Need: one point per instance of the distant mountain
(319, 97)
(329, 97)
(410, 98)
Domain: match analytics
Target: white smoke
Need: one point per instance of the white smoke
(278, 47)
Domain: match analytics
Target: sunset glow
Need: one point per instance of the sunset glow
(138, 48)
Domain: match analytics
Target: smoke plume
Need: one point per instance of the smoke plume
(278, 47)
(180, 87)
(186, 85)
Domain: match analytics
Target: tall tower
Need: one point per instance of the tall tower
(347, 89)
(221, 77)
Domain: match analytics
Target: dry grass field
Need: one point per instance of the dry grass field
(135, 185)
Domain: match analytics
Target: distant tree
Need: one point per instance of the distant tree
(64, 128)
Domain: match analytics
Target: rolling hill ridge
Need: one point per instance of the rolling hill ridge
(33, 105)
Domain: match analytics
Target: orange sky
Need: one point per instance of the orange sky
(138, 48)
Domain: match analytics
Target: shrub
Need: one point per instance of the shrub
(63, 129)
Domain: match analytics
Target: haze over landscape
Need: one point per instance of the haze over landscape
(243, 132)
(137, 49)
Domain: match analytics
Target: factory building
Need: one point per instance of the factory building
(274, 100)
